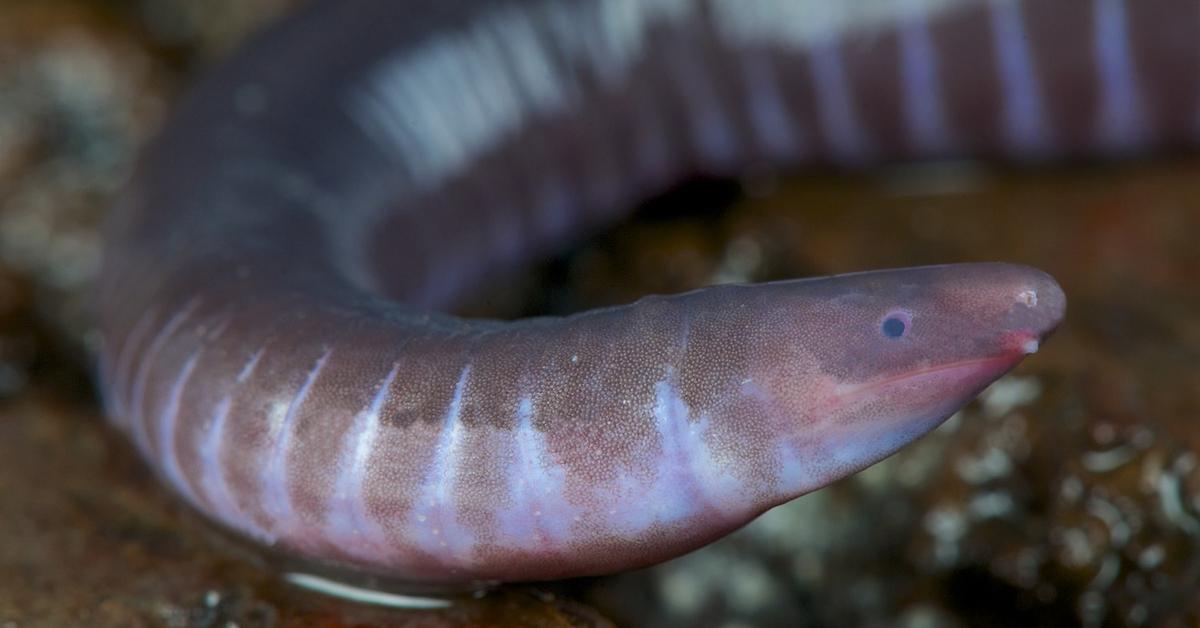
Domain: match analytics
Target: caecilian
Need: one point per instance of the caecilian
(275, 274)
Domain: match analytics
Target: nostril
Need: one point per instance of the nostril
(1028, 297)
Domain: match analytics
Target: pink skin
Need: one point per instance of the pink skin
(274, 278)
(583, 445)
(763, 393)
(965, 326)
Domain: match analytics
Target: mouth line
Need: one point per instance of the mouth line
(1001, 362)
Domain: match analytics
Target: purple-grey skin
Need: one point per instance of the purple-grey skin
(270, 295)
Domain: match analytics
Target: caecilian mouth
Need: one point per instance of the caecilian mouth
(975, 369)
(1018, 343)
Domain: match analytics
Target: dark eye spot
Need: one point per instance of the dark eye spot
(894, 327)
(896, 324)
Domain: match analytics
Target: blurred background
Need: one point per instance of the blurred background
(1068, 495)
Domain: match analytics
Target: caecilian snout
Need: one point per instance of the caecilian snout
(1036, 308)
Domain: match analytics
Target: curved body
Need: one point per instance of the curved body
(270, 290)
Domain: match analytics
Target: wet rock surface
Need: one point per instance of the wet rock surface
(1068, 495)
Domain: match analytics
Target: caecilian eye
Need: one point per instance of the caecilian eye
(896, 324)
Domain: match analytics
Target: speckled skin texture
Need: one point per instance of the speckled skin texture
(253, 354)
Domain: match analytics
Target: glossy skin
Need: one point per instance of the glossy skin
(268, 296)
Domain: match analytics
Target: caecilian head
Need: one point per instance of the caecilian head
(887, 356)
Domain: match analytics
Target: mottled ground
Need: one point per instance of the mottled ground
(1069, 495)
